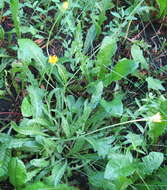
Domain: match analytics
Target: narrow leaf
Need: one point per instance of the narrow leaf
(14, 6)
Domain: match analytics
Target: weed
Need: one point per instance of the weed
(86, 81)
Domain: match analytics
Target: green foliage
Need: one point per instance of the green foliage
(98, 115)
(2, 33)
(123, 68)
(28, 50)
(151, 162)
(106, 52)
(4, 161)
(154, 84)
(17, 172)
(14, 7)
(163, 8)
(40, 185)
(138, 57)
(118, 166)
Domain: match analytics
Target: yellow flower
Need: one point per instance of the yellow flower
(65, 5)
(156, 118)
(53, 59)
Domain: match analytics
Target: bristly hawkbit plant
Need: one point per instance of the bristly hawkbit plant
(88, 106)
(14, 7)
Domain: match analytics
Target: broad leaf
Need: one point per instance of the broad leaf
(4, 161)
(163, 7)
(154, 84)
(123, 68)
(26, 107)
(29, 50)
(17, 172)
(78, 146)
(42, 186)
(156, 129)
(90, 37)
(107, 51)
(119, 165)
(151, 162)
(36, 95)
(134, 139)
(97, 180)
(37, 186)
(102, 145)
(41, 163)
(113, 108)
(25, 129)
(138, 57)
(58, 172)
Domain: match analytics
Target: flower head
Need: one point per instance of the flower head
(65, 5)
(156, 118)
(53, 59)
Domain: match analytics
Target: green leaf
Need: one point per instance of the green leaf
(2, 4)
(80, 122)
(29, 50)
(32, 174)
(42, 186)
(97, 180)
(4, 161)
(26, 107)
(78, 146)
(134, 139)
(66, 126)
(102, 145)
(2, 33)
(63, 73)
(123, 68)
(90, 37)
(97, 93)
(151, 162)
(154, 84)
(163, 7)
(113, 108)
(14, 7)
(58, 172)
(159, 128)
(119, 165)
(37, 186)
(138, 57)
(36, 94)
(107, 51)
(25, 129)
(41, 163)
(17, 172)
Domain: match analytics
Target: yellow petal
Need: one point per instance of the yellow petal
(53, 59)
(65, 5)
